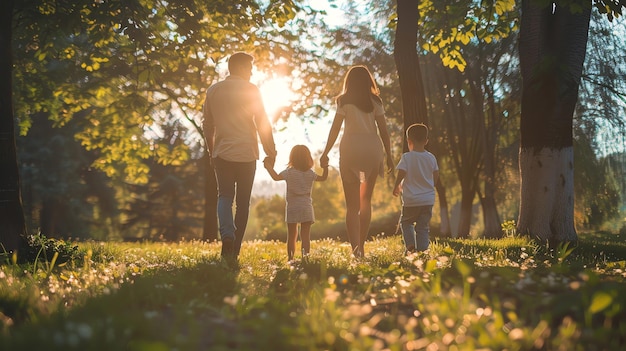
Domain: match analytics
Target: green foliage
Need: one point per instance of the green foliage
(39, 249)
(448, 26)
(271, 215)
(485, 294)
(61, 192)
(611, 8)
(120, 66)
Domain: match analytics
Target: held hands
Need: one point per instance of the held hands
(390, 166)
(324, 161)
(397, 190)
(268, 162)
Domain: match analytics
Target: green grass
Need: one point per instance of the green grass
(509, 294)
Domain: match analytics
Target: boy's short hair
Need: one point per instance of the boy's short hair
(239, 60)
(417, 132)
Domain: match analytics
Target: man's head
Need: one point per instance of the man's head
(240, 64)
(417, 134)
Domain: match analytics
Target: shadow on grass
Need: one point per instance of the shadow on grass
(180, 309)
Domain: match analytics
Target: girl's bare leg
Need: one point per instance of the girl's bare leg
(305, 237)
(292, 236)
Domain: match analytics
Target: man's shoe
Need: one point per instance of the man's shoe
(227, 247)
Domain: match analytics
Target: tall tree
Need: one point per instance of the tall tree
(126, 63)
(61, 192)
(12, 222)
(414, 106)
(600, 126)
(466, 35)
(169, 206)
(552, 45)
(475, 104)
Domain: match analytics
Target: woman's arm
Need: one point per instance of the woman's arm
(332, 137)
(381, 123)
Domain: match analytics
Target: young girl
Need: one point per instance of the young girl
(299, 176)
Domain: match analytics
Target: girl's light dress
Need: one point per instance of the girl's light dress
(299, 208)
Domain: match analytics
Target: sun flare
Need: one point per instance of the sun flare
(277, 96)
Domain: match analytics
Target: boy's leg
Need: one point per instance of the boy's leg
(305, 236)
(292, 235)
(422, 230)
(407, 223)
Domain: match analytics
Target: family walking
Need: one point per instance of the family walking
(234, 115)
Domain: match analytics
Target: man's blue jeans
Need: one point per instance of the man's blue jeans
(234, 181)
(415, 226)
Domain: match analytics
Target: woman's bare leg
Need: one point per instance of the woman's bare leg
(365, 209)
(351, 193)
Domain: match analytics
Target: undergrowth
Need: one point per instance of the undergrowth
(511, 293)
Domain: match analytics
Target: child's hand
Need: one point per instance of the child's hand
(268, 163)
(397, 190)
(324, 161)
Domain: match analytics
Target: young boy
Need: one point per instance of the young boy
(417, 174)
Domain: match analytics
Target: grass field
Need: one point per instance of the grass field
(511, 294)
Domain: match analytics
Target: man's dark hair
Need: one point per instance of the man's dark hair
(417, 132)
(238, 61)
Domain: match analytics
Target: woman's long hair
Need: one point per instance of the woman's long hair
(359, 89)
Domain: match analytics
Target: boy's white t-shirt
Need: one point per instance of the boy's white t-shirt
(418, 186)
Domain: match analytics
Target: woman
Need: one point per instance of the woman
(361, 155)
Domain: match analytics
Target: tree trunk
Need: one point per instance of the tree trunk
(445, 229)
(465, 140)
(466, 213)
(491, 219)
(210, 201)
(49, 217)
(552, 52)
(488, 121)
(12, 222)
(407, 63)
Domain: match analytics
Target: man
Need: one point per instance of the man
(233, 116)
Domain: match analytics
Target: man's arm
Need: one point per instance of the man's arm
(208, 127)
(264, 129)
(270, 169)
(263, 126)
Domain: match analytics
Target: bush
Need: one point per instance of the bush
(38, 247)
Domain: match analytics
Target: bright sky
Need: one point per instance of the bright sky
(295, 130)
(276, 94)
